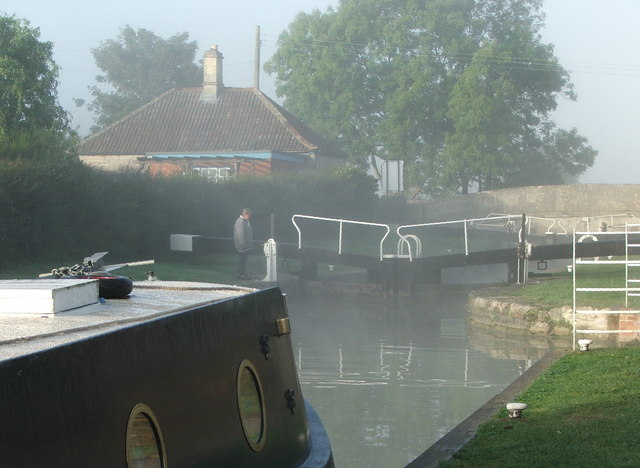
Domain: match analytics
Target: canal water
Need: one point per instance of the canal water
(390, 377)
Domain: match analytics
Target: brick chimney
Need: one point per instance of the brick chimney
(212, 74)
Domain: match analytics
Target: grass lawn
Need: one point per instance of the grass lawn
(185, 266)
(175, 266)
(583, 412)
(557, 290)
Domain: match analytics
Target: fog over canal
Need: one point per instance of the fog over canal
(389, 380)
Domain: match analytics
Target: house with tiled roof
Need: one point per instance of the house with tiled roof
(215, 130)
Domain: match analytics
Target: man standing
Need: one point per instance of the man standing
(243, 240)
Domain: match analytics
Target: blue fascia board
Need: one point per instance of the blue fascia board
(257, 155)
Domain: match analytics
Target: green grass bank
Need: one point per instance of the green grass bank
(583, 409)
(557, 290)
(582, 412)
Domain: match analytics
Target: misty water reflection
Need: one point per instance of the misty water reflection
(390, 379)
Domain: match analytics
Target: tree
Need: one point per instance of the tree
(137, 67)
(32, 123)
(462, 90)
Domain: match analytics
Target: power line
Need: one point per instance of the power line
(357, 48)
(514, 63)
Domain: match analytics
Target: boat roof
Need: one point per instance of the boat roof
(25, 333)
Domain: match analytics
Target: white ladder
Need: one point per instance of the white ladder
(630, 288)
(632, 249)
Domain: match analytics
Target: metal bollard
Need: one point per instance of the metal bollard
(270, 255)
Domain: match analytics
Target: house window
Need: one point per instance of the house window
(216, 174)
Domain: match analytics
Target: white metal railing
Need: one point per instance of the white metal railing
(465, 224)
(588, 220)
(629, 291)
(487, 221)
(494, 220)
(404, 246)
(341, 222)
(405, 241)
(550, 225)
(556, 226)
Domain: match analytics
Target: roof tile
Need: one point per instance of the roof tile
(241, 119)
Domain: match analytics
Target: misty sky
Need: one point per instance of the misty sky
(596, 41)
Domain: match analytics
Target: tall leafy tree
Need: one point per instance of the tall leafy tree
(137, 67)
(32, 123)
(462, 90)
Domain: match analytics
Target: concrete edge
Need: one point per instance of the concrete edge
(448, 445)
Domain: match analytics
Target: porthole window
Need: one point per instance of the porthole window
(251, 405)
(145, 448)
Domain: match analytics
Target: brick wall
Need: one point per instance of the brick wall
(629, 322)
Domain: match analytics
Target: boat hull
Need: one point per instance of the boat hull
(70, 405)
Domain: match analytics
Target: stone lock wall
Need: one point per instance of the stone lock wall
(506, 312)
(487, 307)
(577, 200)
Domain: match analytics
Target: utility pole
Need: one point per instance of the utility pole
(256, 65)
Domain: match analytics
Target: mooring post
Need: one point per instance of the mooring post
(521, 252)
(272, 261)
